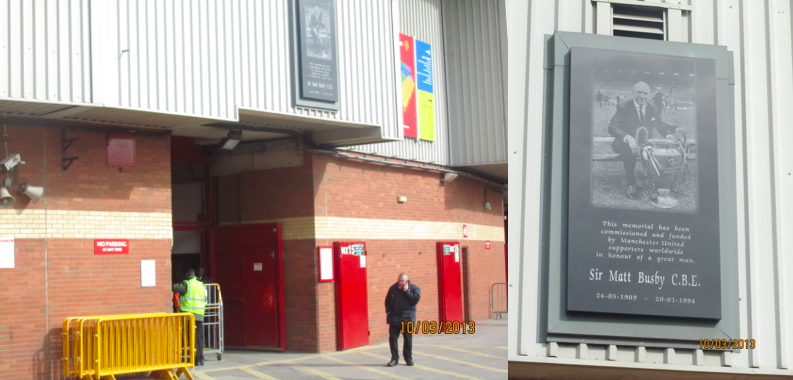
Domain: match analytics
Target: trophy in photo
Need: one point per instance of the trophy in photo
(665, 162)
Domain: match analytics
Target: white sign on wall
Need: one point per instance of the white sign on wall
(6, 252)
(148, 274)
(326, 264)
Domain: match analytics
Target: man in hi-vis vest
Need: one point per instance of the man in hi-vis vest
(193, 299)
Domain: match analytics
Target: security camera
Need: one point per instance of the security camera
(10, 162)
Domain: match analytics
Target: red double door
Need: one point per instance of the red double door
(247, 263)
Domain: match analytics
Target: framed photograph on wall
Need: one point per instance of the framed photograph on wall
(642, 145)
(315, 58)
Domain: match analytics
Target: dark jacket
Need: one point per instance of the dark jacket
(626, 121)
(205, 279)
(400, 305)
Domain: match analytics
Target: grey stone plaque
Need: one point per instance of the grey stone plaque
(643, 217)
(317, 71)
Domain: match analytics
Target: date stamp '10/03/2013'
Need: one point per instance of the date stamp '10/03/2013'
(726, 344)
(435, 327)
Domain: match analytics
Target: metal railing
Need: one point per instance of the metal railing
(213, 321)
(498, 298)
(104, 346)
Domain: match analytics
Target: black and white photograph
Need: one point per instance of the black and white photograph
(318, 30)
(642, 148)
(644, 133)
(317, 60)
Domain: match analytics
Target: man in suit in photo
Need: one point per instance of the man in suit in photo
(632, 114)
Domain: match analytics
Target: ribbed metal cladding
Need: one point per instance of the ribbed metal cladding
(760, 35)
(422, 19)
(365, 61)
(174, 56)
(477, 123)
(44, 51)
(206, 58)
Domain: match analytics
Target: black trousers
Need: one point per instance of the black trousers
(628, 160)
(393, 342)
(199, 341)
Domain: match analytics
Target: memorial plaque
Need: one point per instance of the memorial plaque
(643, 206)
(318, 57)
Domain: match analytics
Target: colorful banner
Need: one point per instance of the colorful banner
(408, 68)
(426, 97)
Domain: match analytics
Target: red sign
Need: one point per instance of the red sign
(407, 58)
(111, 246)
(487, 244)
(465, 231)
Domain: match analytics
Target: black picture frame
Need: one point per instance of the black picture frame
(315, 71)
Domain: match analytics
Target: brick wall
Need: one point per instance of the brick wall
(353, 189)
(332, 199)
(273, 195)
(56, 274)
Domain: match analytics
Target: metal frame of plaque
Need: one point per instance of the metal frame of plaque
(597, 287)
(315, 67)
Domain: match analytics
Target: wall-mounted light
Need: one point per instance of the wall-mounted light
(448, 177)
(230, 142)
(402, 199)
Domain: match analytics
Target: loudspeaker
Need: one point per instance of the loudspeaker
(33, 192)
(6, 200)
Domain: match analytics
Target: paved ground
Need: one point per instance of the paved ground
(482, 355)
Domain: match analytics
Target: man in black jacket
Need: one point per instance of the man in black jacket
(631, 115)
(400, 306)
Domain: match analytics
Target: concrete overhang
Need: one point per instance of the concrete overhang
(496, 172)
(258, 125)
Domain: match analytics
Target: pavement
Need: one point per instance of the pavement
(482, 355)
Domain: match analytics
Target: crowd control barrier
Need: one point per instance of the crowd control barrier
(213, 321)
(100, 347)
(498, 298)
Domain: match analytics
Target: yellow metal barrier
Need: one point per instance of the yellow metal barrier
(101, 347)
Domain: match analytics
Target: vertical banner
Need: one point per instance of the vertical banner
(426, 97)
(407, 58)
(318, 59)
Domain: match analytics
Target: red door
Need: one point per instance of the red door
(352, 307)
(247, 265)
(450, 289)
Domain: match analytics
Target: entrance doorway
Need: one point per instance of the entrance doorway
(248, 264)
(450, 288)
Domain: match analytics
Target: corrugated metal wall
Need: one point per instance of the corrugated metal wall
(478, 131)
(365, 50)
(171, 56)
(44, 51)
(200, 58)
(760, 35)
(422, 19)
(208, 57)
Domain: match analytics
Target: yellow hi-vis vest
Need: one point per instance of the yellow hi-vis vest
(194, 299)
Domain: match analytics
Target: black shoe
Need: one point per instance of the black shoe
(633, 192)
(392, 363)
(409, 363)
